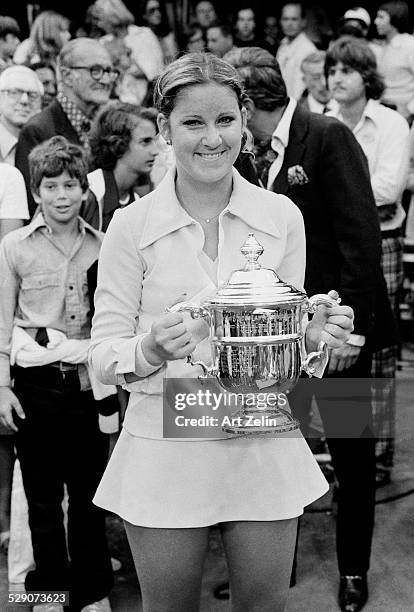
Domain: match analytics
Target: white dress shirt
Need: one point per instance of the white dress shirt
(290, 55)
(8, 144)
(13, 198)
(395, 60)
(280, 140)
(383, 136)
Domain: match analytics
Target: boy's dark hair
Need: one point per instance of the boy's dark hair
(8, 25)
(55, 156)
(356, 54)
(399, 15)
(111, 131)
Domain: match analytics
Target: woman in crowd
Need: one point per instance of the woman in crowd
(135, 50)
(185, 236)
(154, 16)
(123, 141)
(49, 32)
(395, 56)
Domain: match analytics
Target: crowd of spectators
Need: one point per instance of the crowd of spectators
(84, 96)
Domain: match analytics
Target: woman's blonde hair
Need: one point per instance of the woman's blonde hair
(112, 13)
(46, 34)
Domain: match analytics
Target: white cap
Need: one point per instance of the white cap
(358, 13)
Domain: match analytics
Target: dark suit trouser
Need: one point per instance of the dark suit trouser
(59, 443)
(346, 413)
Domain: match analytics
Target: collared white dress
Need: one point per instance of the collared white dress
(151, 254)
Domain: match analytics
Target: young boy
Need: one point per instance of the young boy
(44, 293)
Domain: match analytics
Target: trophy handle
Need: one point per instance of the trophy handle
(196, 312)
(315, 358)
(321, 356)
(321, 298)
(206, 370)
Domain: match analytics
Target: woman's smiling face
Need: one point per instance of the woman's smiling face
(205, 128)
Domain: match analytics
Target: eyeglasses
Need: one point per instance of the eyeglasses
(153, 9)
(16, 94)
(96, 71)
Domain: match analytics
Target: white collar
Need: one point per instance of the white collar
(314, 105)
(317, 107)
(166, 215)
(282, 130)
(370, 112)
(7, 141)
(39, 221)
(297, 40)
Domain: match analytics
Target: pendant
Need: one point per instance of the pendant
(207, 220)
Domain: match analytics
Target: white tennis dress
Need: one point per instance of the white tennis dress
(151, 254)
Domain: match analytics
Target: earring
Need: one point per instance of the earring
(169, 143)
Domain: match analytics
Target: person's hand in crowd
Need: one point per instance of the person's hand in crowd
(8, 403)
(330, 324)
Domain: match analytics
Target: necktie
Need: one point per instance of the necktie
(264, 158)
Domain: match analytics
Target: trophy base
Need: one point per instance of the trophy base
(261, 423)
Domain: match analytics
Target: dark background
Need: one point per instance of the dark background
(76, 10)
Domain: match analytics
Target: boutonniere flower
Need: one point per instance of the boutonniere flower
(297, 176)
(270, 155)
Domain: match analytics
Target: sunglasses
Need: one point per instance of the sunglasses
(96, 71)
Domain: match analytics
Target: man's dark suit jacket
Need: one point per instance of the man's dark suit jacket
(52, 121)
(341, 221)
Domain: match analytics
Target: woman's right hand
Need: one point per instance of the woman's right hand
(168, 340)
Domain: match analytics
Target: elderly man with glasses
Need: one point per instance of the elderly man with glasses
(86, 81)
(20, 98)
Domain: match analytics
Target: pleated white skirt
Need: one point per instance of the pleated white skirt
(161, 483)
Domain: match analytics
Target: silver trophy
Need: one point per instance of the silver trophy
(256, 338)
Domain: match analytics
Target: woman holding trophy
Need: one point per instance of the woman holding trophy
(182, 241)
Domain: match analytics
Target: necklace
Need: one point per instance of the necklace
(198, 217)
(206, 220)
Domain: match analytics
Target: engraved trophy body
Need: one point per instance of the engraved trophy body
(256, 341)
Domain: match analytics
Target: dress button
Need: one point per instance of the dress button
(72, 317)
(71, 287)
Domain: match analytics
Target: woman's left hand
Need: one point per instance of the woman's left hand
(330, 324)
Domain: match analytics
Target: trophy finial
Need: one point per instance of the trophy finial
(252, 250)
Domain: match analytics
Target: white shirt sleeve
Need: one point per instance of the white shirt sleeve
(389, 177)
(146, 51)
(115, 348)
(13, 198)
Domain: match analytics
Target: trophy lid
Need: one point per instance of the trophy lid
(254, 285)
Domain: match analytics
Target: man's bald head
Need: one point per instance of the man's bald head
(80, 48)
(86, 73)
